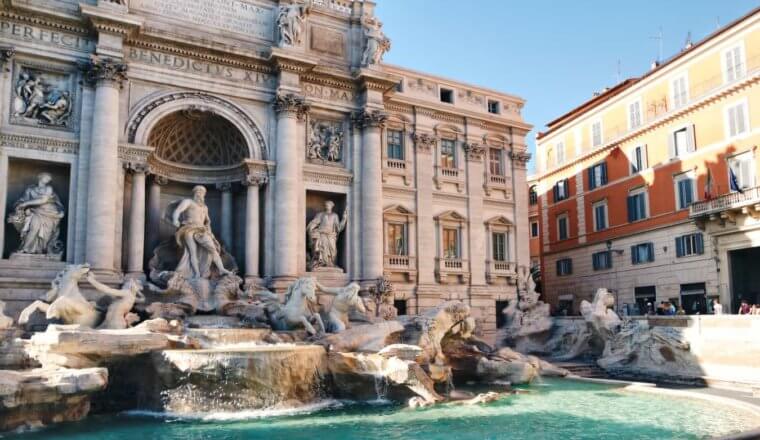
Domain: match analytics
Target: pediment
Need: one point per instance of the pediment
(397, 209)
(451, 216)
(499, 220)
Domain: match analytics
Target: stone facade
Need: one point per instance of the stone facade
(276, 107)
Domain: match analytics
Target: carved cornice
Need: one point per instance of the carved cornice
(398, 108)
(134, 154)
(474, 150)
(38, 143)
(370, 118)
(424, 142)
(102, 70)
(244, 63)
(44, 21)
(328, 81)
(291, 104)
(520, 158)
(327, 175)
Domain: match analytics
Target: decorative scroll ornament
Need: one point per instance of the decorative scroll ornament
(108, 70)
(292, 104)
(370, 118)
(424, 142)
(474, 150)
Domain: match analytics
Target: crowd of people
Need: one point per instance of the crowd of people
(746, 309)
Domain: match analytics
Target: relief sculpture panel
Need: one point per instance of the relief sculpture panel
(42, 98)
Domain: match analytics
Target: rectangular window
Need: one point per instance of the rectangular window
(448, 154)
(564, 267)
(634, 115)
(681, 142)
(499, 244)
(532, 196)
(602, 260)
(561, 190)
(600, 216)
(596, 134)
(396, 239)
(638, 159)
(494, 107)
(680, 92)
(562, 229)
(447, 95)
(534, 229)
(642, 253)
(684, 191)
(637, 206)
(560, 153)
(450, 243)
(597, 175)
(737, 120)
(690, 244)
(495, 163)
(741, 171)
(734, 63)
(395, 144)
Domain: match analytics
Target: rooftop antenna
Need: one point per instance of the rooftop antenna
(717, 22)
(658, 37)
(688, 43)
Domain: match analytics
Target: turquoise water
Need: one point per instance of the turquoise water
(556, 409)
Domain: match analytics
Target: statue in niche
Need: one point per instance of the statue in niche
(290, 21)
(325, 141)
(41, 102)
(377, 43)
(200, 248)
(37, 216)
(323, 231)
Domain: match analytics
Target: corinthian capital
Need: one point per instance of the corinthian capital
(474, 150)
(291, 104)
(101, 70)
(370, 118)
(424, 142)
(520, 158)
(6, 53)
(255, 180)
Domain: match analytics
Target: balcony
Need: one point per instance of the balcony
(505, 270)
(452, 270)
(395, 164)
(400, 267)
(728, 205)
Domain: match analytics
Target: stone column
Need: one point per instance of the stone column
(477, 239)
(426, 250)
(253, 184)
(290, 108)
(108, 75)
(372, 193)
(136, 237)
(154, 214)
(226, 229)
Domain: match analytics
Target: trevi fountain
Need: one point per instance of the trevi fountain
(230, 219)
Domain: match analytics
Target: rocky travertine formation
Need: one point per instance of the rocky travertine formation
(368, 338)
(6, 322)
(34, 398)
(528, 319)
(428, 330)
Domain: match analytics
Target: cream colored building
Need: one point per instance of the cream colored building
(275, 109)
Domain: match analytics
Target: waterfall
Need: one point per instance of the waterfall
(381, 387)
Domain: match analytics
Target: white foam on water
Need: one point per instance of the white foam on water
(251, 414)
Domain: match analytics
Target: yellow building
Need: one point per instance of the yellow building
(649, 189)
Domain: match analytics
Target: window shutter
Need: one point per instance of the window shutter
(595, 261)
(591, 183)
(643, 152)
(555, 190)
(651, 252)
(566, 184)
(634, 255)
(559, 267)
(740, 128)
(679, 247)
(700, 244)
(691, 145)
(672, 145)
(569, 266)
(631, 208)
(604, 173)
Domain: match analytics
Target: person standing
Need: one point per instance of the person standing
(744, 308)
(717, 307)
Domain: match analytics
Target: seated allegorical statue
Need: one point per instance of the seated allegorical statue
(37, 216)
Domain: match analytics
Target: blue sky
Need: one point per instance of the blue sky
(554, 54)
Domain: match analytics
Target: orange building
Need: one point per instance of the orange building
(649, 189)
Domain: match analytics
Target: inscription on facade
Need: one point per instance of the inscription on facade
(329, 93)
(35, 34)
(190, 65)
(328, 41)
(228, 15)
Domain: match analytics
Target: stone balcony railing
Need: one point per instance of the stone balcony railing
(452, 270)
(500, 269)
(395, 164)
(747, 200)
(404, 265)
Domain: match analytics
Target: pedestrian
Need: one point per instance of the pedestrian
(671, 309)
(717, 307)
(744, 308)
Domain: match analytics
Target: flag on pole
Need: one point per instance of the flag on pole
(709, 185)
(734, 182)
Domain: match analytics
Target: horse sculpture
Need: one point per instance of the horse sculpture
(346, 299)
(64, 301)
(296, 312)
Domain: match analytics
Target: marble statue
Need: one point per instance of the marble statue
(325, 141)
(300, 297)
(377, 43)
(200, 249)
(6, 322)
(119, 316)
(382, 294)
(57, 109)
(323, 231)
(42, 102)
(64, 301)
(526, 317)
(604, 321)
(37, 216)
(290, 22)
(346, 300)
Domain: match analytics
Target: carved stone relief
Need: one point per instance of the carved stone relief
(325, 141)
(290, 23)
(376, 42)
(42, 98)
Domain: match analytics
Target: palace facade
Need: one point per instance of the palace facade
(276, 108)
(649, 189)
